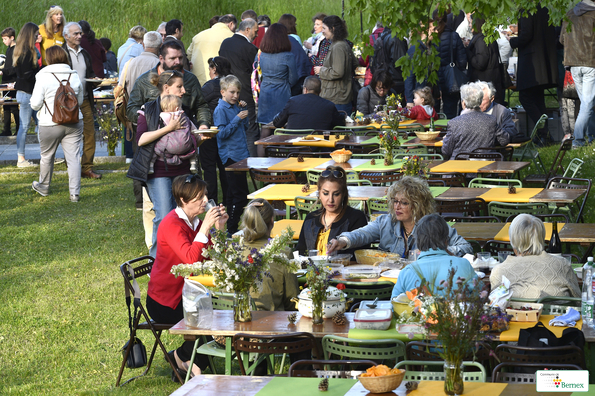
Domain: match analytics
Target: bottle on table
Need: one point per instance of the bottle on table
(587, 293)
(555, 245)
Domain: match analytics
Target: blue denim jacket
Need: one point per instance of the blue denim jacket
(391, 238)
(231, 138)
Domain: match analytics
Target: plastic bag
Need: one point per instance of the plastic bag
(197, 304)
(500, 296)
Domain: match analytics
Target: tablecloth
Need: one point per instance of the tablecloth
(293, 165)
(389, 334)
(502, 235)
(512, 334)
(296, 226)
(300, 386)
(501, 194)
(462, 166)
(319, 143)
(432, 388)
(282, 192)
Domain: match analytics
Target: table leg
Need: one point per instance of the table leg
(228, 355)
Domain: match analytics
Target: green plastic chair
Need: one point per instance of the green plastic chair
(423, 156)
(468, 376)
(360, 130)
(305, 205)
(359, 182)
(529, 151)
(504, 209)
(383, 291)
(573, 167)
(283, 131)
(352, 348)
(412, 149)
(368, 156)
(486, 182)
(554, 309)
(442, 116)
(377, 205)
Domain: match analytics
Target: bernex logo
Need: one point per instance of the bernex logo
(562, 380)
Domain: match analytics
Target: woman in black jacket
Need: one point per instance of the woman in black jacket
(25, 58)
(335, 216)
(450, 49)
(209, 152)
(484, 61)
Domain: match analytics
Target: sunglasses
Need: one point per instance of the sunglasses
(190, 179)
(212, 60)
(173, 73)
(336, 173)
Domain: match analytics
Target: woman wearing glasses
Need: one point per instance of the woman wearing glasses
(150, 128)
(335, 216)
(181, 239)
(409, 200)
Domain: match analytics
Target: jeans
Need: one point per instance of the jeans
(584, 79)
(344, 107)
(159, 189)
(25, 113)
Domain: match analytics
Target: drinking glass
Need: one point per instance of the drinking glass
(211, 204)
(502, 256)
(313, 253)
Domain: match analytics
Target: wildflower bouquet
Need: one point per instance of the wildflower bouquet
(318, 278)
(413, 166)
(108, 126)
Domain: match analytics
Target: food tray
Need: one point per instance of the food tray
(372, 256)
(373, 319)
(361, 272)
(519, 315)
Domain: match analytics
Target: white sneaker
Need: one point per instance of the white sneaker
(58, 161)
(128, 160)
(25, 164)
(37, 188)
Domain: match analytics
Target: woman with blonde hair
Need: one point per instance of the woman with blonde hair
(51, 30)
(409, 200)
(278, 289)
(25, 58)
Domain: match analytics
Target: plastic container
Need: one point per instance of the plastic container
(361, 272)
(373, 319)
(379, 305)
(343, 259)
(519, 315)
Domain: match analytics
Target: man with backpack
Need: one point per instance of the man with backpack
(387, 50)
(80, 61)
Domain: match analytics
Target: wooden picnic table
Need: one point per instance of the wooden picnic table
(483, 232)
(227, 385)
(297, 140)
(466, 166)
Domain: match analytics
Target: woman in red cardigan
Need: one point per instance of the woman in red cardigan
(181, 238)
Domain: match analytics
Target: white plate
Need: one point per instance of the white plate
(394, 273)
(300, 272)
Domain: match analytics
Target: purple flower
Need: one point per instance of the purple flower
(483, 294)
(410, 335)
(416, 309)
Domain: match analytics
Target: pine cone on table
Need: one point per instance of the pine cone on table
(511, 189)
(339, 318)
(292, 317)
(300, 158)
(411, 385)
(306, 188)
(323, 385)
(373, 161)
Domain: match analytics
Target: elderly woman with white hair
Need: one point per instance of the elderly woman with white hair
(434, 262)
(533, 273)
(473, 128)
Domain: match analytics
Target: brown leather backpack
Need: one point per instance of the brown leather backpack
(66, 105)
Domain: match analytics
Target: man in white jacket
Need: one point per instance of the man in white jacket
(51, 134)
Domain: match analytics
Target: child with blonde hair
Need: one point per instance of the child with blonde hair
(423, 105)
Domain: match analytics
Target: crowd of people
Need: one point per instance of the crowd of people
(244, 77)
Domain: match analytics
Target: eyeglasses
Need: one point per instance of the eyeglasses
(402, 203)
(336, 173)
(190, 179)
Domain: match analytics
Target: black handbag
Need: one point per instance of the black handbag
(454, 78)
(138, 353)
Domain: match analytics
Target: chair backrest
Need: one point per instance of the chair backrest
(295, 369)
(557, 163)
(358, 182)
(504, 209)
(489, 156)
(334, 132)
(529, 148)
(283, 131)
(568, 354)
(512, 377)
(422, 156)
(381, 178)
(468, 376)
(576, 300)
(442, 116)
(272, 344)
(415, 127)
(409, 150)
(358, 149)
(546, 218)
(557, 310)
(352, 348)
(377, 205)
(493, 247)
(222, 301)
(359, 130)
(486, 182)
(451, 179)
(463, 207)
(429, 351)
(312, 175)
(573, 167)
(310, 154)
(371, 156)
(506, 151)
(305, 205)
(372, 133)
(277, 176)
(284, 151)
(573, 183)
(470, 219)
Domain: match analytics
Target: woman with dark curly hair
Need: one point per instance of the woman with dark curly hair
(409, 200)
(336, 72)
(335, 216)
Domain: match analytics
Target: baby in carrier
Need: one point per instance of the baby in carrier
(179, 144)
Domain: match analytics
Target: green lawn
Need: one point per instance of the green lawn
(63, 319)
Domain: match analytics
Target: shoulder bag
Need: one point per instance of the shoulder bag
(453, 77)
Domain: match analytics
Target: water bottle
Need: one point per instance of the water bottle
(587, 293)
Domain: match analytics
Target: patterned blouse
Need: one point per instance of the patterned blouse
(317, 60)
